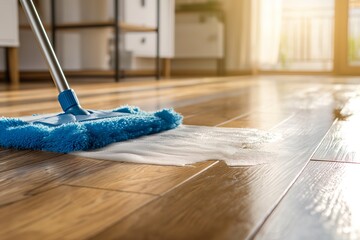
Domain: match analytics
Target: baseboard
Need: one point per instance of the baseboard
(193, 73)
(45, 75)
(288, 72)
(208, 73)
(238, 72)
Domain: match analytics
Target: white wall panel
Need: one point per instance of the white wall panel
(9, 33)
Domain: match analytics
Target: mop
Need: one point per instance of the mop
(76, 128)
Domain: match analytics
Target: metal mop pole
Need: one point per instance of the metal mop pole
(67, 96)
(45, 45)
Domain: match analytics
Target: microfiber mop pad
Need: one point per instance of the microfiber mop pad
(85, 135)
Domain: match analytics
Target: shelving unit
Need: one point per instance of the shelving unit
(119, 27)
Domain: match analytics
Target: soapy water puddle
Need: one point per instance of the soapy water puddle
(188, 144)
(345, 99)
(310, 98)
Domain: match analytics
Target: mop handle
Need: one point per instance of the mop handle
(54, 66)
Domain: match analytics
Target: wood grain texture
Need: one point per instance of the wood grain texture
(258, 120)
(322, 204)
(341, 143)
(67, 213)
(11, 158)
(139, 178)
(25, 181)
(110, 97)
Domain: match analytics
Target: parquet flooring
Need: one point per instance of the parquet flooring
(53, 196)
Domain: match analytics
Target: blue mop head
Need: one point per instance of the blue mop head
(85, 135)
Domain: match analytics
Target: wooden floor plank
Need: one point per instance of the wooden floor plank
(322, 204)
(258, 120)
(25, 181)
(223, 110)
(44, 90)
(11, 158)
(228, 203)
(211, 103)
(150, 103)
(140, 178)
(67, 213)
(148, 100)
(341, 143)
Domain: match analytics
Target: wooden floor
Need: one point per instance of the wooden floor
(308, 191)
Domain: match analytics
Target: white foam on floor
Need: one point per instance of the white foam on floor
(190, 144)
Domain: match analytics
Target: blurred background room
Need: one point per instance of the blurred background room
(186, 38)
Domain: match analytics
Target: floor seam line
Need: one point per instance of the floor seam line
(158, 197)
(22, 199)
(190, 178)
(107, 189)
(30, 163)
(335, 161)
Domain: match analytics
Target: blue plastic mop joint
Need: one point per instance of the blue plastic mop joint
(70, 103)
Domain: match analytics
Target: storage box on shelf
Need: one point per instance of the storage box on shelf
(9, 39)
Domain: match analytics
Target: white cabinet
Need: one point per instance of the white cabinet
(143, 12)
(199, 39)
(9, 33)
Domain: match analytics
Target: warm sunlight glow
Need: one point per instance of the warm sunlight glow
(306, 35)
(349, 203)
(350, 137)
